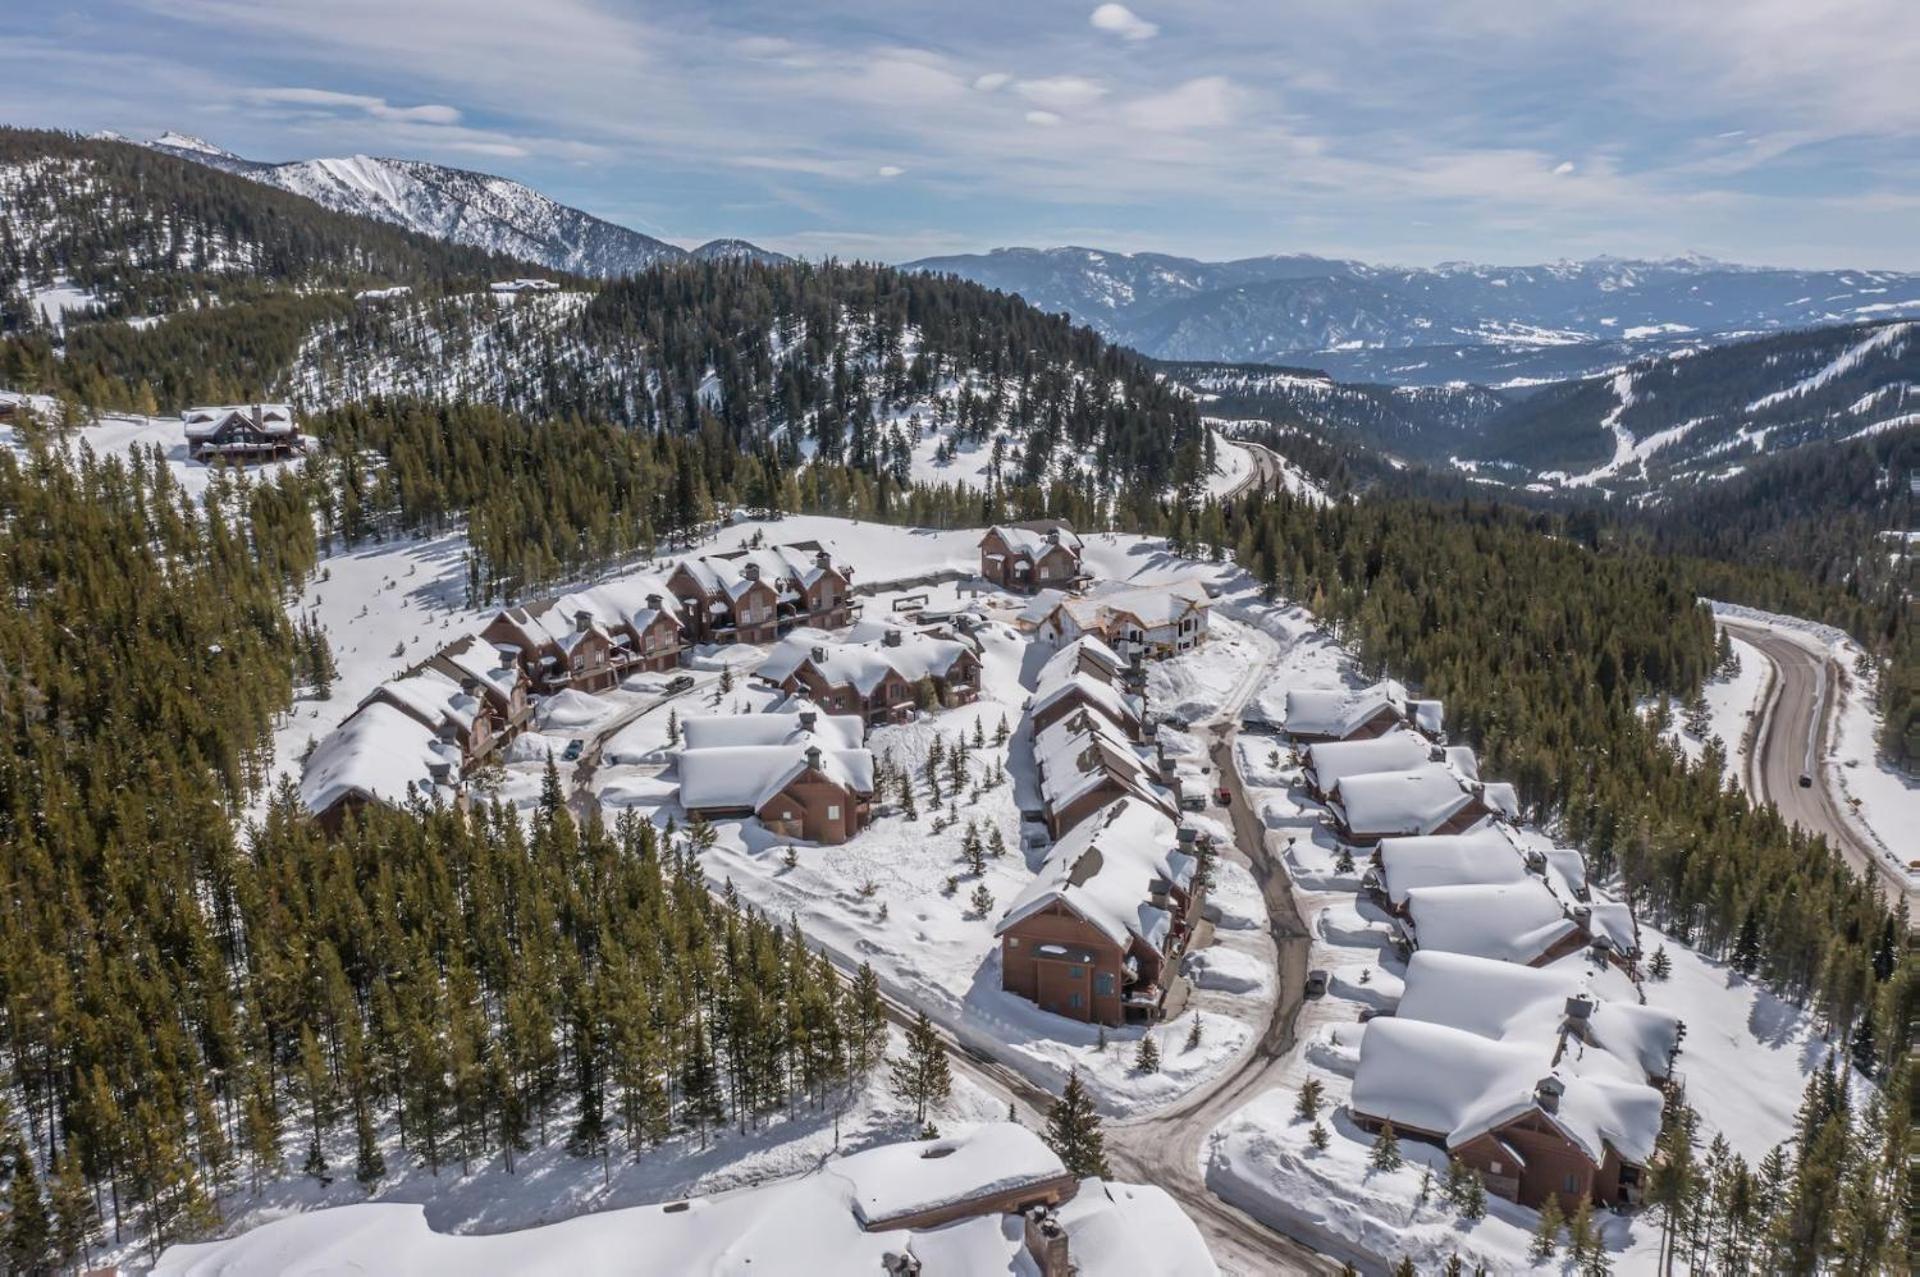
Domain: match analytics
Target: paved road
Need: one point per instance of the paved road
(1792, 739)
(1266, 471)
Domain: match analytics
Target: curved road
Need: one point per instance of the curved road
(1791, 741)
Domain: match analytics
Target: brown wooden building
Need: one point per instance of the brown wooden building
(797, 791)
(1037, 555)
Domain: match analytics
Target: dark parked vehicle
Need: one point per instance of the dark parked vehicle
(1806, 780)
(679, 682)
(574, 750)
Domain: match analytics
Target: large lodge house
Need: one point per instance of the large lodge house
(878, 674)
(242, 433)
(755, 596)
(1037, 555)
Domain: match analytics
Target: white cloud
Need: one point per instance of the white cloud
(1061, 92)
(1563, 168)
(1208, 102)
(992, 81)
(1123, 22)
(378, 108)
(1045, 119)
(890, 170)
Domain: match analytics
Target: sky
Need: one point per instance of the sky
(1783, 132)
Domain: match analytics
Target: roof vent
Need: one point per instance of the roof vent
(823, 560)
(470, 685)
(893, 638)
(441, 772)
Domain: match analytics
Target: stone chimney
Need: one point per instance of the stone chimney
(750, 570)
(470, 685)
(1583, 914)
(900, 1264)
(653, 602)
(583, 620)
(1536, 860)
(1053, 536)
(1547, 1092)
(442, 772)
(1046, 1242)
(807, 719)
(893, 638)
(1188, 836)
(509, 656)
(819, 655)
(1579, 1007)
(813, 757)
(823, 560)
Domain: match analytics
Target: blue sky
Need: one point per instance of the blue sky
(1411, 131)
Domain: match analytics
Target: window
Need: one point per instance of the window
(1077, 971)
(1103, 984)
(1570, 1183)
(1495, 1168)
(579, 663)
(1013, 942)
(833, 811)
(786, 815)
(1074, 1000)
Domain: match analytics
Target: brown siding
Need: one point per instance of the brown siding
(1051, 983)
(1047, 1192)
(802, 810)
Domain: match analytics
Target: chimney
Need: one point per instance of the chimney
(653, 603)
(1536, 860)
(1579, 1008)
(1547, 1092)
(893, 638)
(807, 719)
(470, 685)
(1188, 836)
(509, 657)
(823, 561)
(750, 570)
(1046, 1242)
(1583, 914)
(442, 772)
(583, 620)
(450, 735)
(1053, 536)
(813, 757)
(819, 655)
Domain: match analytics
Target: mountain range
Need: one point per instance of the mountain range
(464, 207)
(1428, 326)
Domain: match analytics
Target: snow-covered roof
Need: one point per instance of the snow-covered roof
(431, 697)
(1134, 1229)
(1484, 856)
(830, 731)
(1079, 766)
(1032, 538)
(1512, 922)
(268, 418)
(1459, 1085)
(1333, 761)
(1416, 801)
(727, 572)
(374, 754)
(748, 776)
(799, 1227)
(1041, 606)
(895, 1181)
(622, 603)
(1085, 655)
(1068, 738)
(863, 666)
(1338, 712)
(1105, 870)
(1105, 697)
(1614, 920)
(478, 659)
(1151, 605)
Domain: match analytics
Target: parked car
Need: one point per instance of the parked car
(1806, 780)
(575, 748)
(1317, 983)
(679, 682)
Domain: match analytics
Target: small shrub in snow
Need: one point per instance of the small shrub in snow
(1662, 965)
(951, 886)
(1318, 1137)
(1147, 1058)
(792, 859)
(1343, 863)
(982, 901)
(1308, 1105)
(1193, 1034)
(1100, 1042)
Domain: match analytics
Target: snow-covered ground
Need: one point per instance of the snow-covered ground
(549, 1184)
(883, 897)
(1745, 1060)
(1733, 701)
(118, 434)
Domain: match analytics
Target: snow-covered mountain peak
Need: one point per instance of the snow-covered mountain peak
(173, 141)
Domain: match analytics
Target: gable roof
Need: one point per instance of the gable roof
(1512, 922)
(1105, 870)
(268, 418)
(720, 731)
(1330, 762)
(1031, 538)
(1090, 690)
(1484, 856)
(1085, 655)
(1431, 1077)
(429, 696)
(1339, 712)
(373, 755)
(473, 657)
(748, 776)
(1416, 801)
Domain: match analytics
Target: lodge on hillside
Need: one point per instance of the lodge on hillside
(1024, 557)
(243, 433)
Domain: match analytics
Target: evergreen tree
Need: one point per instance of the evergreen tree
(1386, 1150)
(1318, 1137)
(923, 1075)
(1661, 965)
(1546, 1233)
(1147, 1058)
(29, 1230)
(1074, 1131)
(1307, 1104)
